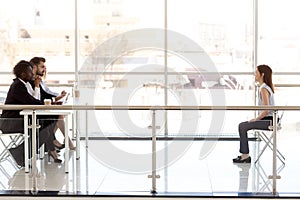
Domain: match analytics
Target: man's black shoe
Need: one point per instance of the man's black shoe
(18, 156)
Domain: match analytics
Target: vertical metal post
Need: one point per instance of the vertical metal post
(67, 144)
(77, 135)
(153, 176)
(34, 181)
(67, 183)
(76, 95)
(166, 88)
(255, 46)
(73, 125)
(255, 34)
(87, 170)
(166, 67)
(78, 176)
(27, 184)
(26, 152)
(274, 151)
(76, 40)
(86, 127)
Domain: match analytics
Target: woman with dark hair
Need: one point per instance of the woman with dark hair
(263, 75)
(39, 71)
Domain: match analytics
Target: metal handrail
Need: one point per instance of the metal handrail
(72, 85)
(48, 84)
(149, 107)
(170, 73)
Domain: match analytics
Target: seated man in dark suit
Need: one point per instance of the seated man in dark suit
(19, 94)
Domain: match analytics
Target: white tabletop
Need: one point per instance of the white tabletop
(46, 112)
(53, 112)
(26, 112)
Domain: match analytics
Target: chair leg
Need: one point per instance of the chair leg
(268, 143)
(15, 140)
(279, 154)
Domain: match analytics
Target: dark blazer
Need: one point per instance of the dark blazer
(18, 95)
(12, 122)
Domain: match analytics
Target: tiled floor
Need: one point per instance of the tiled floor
(121, 167)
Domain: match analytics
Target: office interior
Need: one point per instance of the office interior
(158, 53)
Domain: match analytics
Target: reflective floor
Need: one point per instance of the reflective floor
(186, 168)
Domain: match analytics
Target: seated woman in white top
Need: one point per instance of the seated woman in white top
(60, 123)
(39, 71)
(263, 76)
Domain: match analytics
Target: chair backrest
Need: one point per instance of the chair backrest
(280, 120)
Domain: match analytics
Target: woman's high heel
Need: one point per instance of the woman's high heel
(56, 160)
(61, 147)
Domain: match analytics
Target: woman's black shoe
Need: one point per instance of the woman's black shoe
(55, 160)
(240, 160)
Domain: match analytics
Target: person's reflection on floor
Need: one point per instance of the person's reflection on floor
(243, 175)
(49, 178)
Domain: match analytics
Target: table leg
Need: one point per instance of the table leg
(34, 181)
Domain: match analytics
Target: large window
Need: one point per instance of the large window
(279, 35)
(108, 61)
(38, 28)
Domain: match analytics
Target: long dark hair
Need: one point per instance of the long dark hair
(267, 71)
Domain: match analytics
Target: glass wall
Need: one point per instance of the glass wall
(166, 53)
(279, 36)
(138, 52)
(279, 46)
(38, 28)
